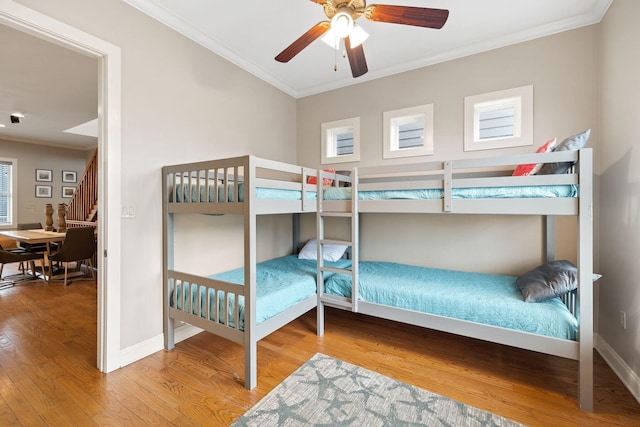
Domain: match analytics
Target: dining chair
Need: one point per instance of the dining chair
(32, 247)
(17, 256)
(79, 245)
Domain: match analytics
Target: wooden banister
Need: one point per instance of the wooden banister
(83, 206)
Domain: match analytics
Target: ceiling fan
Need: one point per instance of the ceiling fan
(344, 13)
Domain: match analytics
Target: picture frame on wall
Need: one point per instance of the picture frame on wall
(44, 175)
(43, 191)
(67, 192)
(69, 176)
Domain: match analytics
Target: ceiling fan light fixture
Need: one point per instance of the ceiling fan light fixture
(357, 36)
(331, 39)
(342, 23)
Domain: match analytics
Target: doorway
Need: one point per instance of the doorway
(21, 18)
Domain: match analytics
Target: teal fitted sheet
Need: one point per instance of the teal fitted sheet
(281, 283)
(477, 297)
(540, 191)
(186, 193)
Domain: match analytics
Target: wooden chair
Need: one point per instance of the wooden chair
(79, 245)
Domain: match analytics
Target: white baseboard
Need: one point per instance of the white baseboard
(141, 350)
(155, 344)
(628, 377)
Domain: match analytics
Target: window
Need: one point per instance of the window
(341, 141)
(8, 185)
(499, 119)
(408, 132)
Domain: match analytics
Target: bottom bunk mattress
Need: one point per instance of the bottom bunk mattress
(280, 284)
(477, 297)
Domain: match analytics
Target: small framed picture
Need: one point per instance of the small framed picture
(69, 176)
(44, 175)
(43, 191)
(67, 192)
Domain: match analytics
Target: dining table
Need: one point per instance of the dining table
(36, 236)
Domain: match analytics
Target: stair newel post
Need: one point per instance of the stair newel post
(62, 222)
(48, 217)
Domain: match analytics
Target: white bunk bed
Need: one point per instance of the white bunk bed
(451, 187)
(247, 186)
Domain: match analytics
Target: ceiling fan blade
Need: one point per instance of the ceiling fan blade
(319, 1)
(356, 57)
(407, 15)
(303, 41)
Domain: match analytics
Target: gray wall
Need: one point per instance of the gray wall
(619, 289)
(33, 156)
(563, 69)
(180, 103)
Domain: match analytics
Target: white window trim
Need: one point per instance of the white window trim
(521, 98)
(391, 122)
(13, 194)
(329, 131)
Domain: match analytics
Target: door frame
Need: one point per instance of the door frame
(21, 18)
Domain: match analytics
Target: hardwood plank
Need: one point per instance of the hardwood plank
(48, 375)
(15, 410)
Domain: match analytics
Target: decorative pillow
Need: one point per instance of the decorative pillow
(533, 168)
(329, 253)
(573, 143)
(548, 281)
(325, 181)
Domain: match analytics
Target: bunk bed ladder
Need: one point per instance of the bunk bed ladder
(352, 213)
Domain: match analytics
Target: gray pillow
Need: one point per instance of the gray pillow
(548, 281)
(573, 143)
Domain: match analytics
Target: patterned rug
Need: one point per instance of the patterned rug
(329, 392)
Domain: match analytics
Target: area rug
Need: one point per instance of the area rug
(329, 392)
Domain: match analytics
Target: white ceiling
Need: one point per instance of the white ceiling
(56, 88)
(251, 33)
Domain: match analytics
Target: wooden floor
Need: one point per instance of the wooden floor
(48, 374)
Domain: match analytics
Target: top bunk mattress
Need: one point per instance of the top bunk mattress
(524, 192)
(477, 297)
(189, 193)
(280, 284)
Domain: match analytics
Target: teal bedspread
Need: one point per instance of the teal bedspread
(540, 191)
(281, 283)
(477, 297)
(185, 193)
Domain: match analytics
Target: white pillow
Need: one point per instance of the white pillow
(330, 252)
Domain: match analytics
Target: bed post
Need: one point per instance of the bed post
(250, 344)
(355, 240)
(549, 225)
(319, 261)
(295, 232)
(585, 280)
(167, 263)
